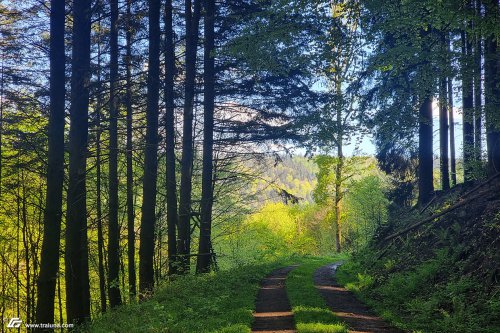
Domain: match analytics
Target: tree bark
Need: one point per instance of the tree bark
(129, 147)
(443, 135)
(49, 265)
(425, 166)
(339, 170)
(492, 89)
(148, 218)
(468, 108)
(100, 237)
(76, 256)
(184, 245)
(172, 217)
(205, 244)
(113, 227)
(478, 114)
(453, 160)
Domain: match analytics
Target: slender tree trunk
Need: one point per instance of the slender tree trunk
(76, 255)
(148, 218)
(478, 114)
(425, 177)
(492, 89)
(113, 227)
(49, 262)
(100, 237)
(130, 171)
(204, 250)
(26, 251)
(468, 108)
(339, 170)
(59, 298)
(443, 135)
(192, 25)
(453, 160)
(172, 218)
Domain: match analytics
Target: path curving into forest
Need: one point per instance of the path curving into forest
(357, 316)
(273, 312)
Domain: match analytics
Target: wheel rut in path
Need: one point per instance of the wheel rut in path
(273, 312)
(358, 317)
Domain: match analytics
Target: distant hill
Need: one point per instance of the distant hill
(295, 175)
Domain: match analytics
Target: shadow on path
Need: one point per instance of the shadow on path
(358, 317)
(272, 308)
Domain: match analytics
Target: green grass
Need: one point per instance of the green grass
(310, 311)
(428, 297)
(221, 302)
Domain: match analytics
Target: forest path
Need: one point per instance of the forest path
(358, 317)
(273, 312)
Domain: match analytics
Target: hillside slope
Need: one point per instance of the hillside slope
(436, 268)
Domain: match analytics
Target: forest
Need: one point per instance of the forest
(250, 166)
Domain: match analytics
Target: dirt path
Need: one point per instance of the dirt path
(272, 308)
(346, 306)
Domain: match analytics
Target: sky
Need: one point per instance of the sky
(367, 147)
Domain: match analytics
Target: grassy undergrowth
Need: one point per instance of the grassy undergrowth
(221, 302)
(428, 297)
(310, 311)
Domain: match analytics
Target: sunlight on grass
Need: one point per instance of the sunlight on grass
(320, 328)
(211, 303)
(311, 313)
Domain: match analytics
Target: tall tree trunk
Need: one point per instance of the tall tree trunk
(478, 114)
(468, 108)
(453, 160)
(49, 262)
(492, 88)
(339, 170)
(425, 166)
(26, 251)
(192, 26)
(443, 135)
(76, 255)
(205, 244)
(148, 218)
(113, 227)
(172, 218)
(100, 237)
(130, 171)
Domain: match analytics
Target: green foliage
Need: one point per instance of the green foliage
(364, 203)
(275, 231)
(311, 314)
(221, 302)
(428, 297)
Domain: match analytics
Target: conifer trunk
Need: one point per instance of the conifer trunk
(492, 89)
(148, 218)
(205, 245)
(113, 227)
(172, 217)
(76, 255)
(129, 147)
(425, 177)
(49, 265)
(184, 244)
(468, 108)
(443, 135)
